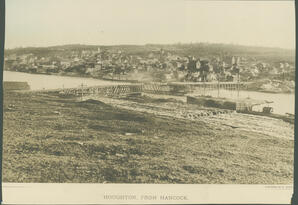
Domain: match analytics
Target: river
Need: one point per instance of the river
(42, 81)
(283, 102)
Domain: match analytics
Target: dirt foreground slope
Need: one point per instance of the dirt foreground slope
(52, 139)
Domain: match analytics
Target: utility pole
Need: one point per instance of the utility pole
(82, 85)
(218, 86)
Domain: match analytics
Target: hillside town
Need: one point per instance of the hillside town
(158, 65)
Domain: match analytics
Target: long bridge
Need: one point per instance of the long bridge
(173, 88)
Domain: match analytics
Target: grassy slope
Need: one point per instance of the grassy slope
(86, 142)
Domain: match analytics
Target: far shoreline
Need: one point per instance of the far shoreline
(75, 75)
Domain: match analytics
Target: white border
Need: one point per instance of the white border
(70, 193)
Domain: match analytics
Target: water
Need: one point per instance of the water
(40, 82)
(283, 103)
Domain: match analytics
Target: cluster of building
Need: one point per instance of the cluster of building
(164, 65)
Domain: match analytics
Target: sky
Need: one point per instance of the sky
(112, 22)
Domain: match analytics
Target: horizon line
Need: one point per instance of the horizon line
(146, 44)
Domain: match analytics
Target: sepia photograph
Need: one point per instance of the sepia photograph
(149, 92)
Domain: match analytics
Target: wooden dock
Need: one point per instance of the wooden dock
(240, 105)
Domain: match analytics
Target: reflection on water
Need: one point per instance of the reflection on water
(283, 103)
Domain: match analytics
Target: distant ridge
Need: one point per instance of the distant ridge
(153, 44)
